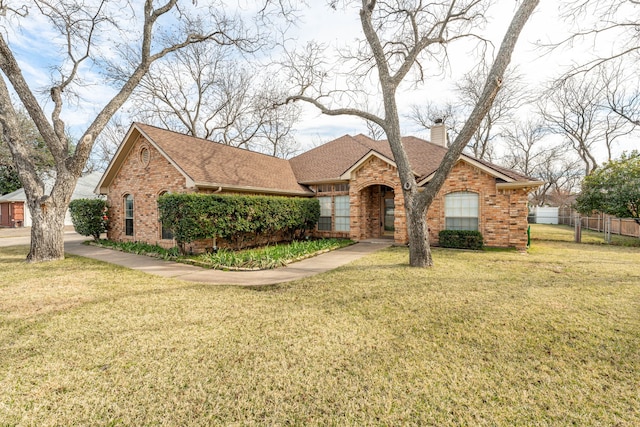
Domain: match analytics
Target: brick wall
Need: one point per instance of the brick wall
(502, 216)
(365, 196)
(503, 213)
(145, 180)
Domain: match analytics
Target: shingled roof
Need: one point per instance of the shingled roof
(209, 164)
(330, 161)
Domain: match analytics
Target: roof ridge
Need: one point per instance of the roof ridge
(204, 140)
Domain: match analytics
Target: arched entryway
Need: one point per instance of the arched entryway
(377, 212)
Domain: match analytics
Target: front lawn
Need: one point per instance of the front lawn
(551, 337)
(565, 233)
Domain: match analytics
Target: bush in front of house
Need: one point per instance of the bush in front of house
(461, 239)
(237, 219)
(89, 217)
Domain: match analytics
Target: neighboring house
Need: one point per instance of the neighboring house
(14, 211)
(354, 178)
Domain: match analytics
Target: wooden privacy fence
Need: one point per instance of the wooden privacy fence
(601, 222)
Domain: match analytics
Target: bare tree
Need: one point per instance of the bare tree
(85, 30)
(575, 108)
(426, 115)
(399, 38)
(622, 90)
(107, 143)
(509, 99)
(528, 154)
(205, 91)
(374, 131)
(612, 24)
(469, 90)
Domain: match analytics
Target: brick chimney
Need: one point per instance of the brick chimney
(439, 133)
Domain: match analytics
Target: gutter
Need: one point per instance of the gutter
(518, 184)
(218, 188)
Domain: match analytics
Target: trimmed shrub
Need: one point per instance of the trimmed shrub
(461, 239)
(235, 218)
(89, 217)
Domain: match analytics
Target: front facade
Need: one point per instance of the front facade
(354, 178)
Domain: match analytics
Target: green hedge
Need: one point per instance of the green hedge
(237, 219)
(89, 216)
(461, 239)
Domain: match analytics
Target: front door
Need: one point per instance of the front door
(5, 219)
(388, 212)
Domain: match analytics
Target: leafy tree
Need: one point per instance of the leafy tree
(89, 217)
(42, 159)
(613, 189)
(9, 180)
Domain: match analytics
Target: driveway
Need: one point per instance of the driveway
(22, 236)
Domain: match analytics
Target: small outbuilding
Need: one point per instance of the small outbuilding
(14, 211)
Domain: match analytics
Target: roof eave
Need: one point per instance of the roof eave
(248, 189)
(475, 163)
(519, 185)
(324, 181)
(118, 160)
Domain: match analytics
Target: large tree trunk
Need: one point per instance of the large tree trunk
(47, 217)
(418, 230)
(47, 230)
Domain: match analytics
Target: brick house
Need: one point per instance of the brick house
(354, 178)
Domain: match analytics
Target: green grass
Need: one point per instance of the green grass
(551, 337)
(264, 258)
(564, 233)
(268, 257)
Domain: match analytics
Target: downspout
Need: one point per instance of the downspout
(214, 241)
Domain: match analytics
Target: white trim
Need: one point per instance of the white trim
(347, 174)
(518, 184)
(125, 148)
(261, 190)
(476, 164)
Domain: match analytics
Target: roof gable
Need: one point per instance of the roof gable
(208, 164)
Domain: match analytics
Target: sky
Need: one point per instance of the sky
(538, 65)
(339, 27)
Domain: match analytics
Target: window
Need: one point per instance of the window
(334, 213)
(165, 233)
(324, 223)
(325, 188)
(342, 213)
(341, 188)
(461, 211)
(128, 215)
(144, 156)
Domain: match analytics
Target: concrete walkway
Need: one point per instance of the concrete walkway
(305, 268)
(308, 267)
